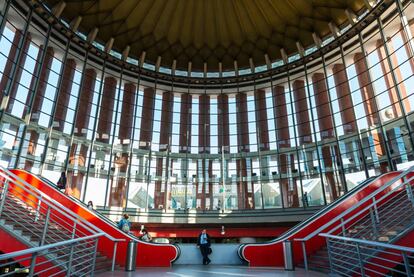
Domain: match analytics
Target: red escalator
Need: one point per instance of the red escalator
(271, 253)
(149, 254)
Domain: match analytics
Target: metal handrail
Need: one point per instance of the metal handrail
(360, 203)
(369, 242)
(378, 208)
(371, 204)
(47, 247)
(351, 256)
(107, 220)
(52, 204)
(104, 218)
(64, 255)
(59, 205)
(313, 217)
(364, 201)
(48, 200)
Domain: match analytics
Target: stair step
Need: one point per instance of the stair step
(384, 239)
(17, 212)
(391, 233)
(318, 258)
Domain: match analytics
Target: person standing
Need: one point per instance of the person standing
(203, 243)
(61, 183)
(145, 236)
(124, 224)
(305, 199)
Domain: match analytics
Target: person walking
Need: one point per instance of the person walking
(203, 243)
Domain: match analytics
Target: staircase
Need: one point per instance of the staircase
(17, 212)
(38, 222)
(386, 215)
(371, 240)
(318, 261)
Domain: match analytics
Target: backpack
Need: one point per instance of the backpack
(125, 226)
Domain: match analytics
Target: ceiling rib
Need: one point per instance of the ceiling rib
(231, 34)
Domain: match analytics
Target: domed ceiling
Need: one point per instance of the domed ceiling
(209, 31)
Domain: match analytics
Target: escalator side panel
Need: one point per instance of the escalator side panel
(9, 243)
(151, 254)
(271, 254)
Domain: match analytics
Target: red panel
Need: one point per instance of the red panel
(160, 255)
(9, 244)
(271, 254)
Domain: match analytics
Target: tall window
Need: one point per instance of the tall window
(233, 124)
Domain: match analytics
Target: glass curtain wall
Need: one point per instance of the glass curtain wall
(302, 138)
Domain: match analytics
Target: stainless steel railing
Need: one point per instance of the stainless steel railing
(357, 257)
(291, 232)
(74, 257)
(356, 245)
(40, 219)
(367, 212)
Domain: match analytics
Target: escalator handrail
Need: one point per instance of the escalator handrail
(104, 218)
(74, 199)
(335, 203)
(359, 204)
(55, 202)
(50, 201)
(297, 227)
(388, 194)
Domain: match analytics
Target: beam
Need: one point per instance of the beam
(58, 9)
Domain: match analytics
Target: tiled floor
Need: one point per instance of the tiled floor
(210, 270)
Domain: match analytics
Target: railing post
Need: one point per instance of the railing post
(406, 264)
(409, 190)
(39, 203)
(331, 265)
(361, 263)
(114, 256)
(305, 258)
(32, 264)
(42, 240)
(68, 272)
(4, 195)
(288, 255)
(373, 222)
(343, 227)
(94, 257)
(72, 247)
(375, 209)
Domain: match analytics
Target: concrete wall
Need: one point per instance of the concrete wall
(223, 253)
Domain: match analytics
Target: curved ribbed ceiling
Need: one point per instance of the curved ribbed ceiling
(209, 31)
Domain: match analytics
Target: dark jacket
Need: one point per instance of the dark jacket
(199, 240)
(62, 182)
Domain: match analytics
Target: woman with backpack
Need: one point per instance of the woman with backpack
(124, 224)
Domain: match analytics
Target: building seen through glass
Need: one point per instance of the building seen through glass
(130, 137)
